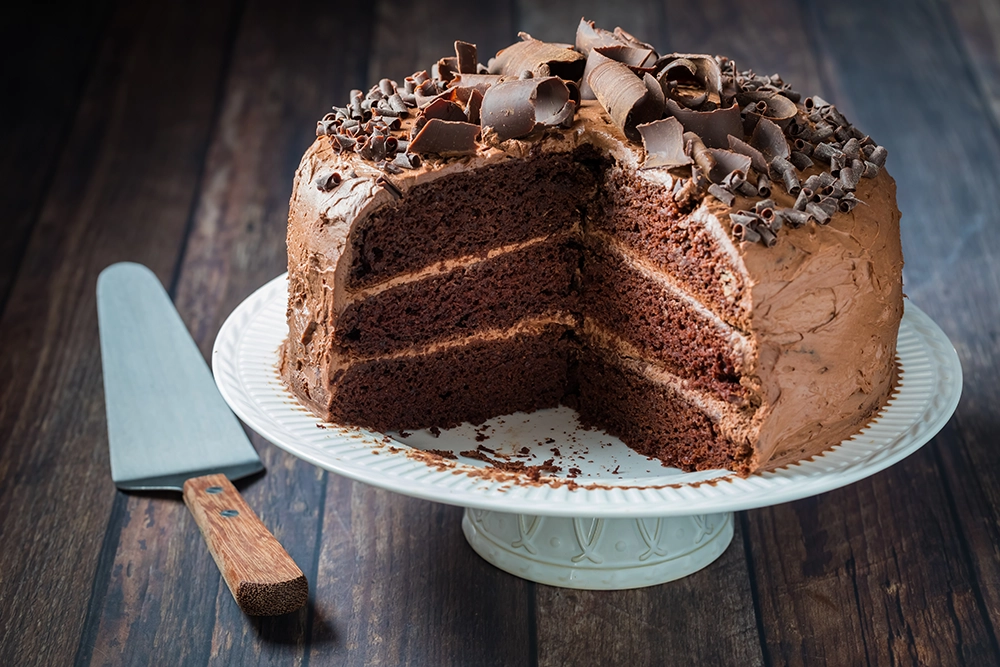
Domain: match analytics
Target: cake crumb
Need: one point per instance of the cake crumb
(435, 431)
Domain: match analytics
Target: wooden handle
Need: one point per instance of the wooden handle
(263, 578)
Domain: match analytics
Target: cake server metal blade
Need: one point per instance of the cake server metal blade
(167, 421)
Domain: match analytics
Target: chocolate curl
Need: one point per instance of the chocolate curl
(800, 160)
(742, 231)
(445, 138)
(767, 237)
(514, 108)
(870, 171)
(714, 127)
(467, 57)
(328, 181)
(837, 162)
(791, 217)
(474, 106)
(849, 179)
(763, 186)
(777, 108)
(664, 143)
(628, 38)
(848, 202)
(390, 186)
(720, 193)
(700, 154)
(629, 100)
(691, 79)
(815, 102)
(878, 156)
(588, 36)
(594, 58)
(829, 204)
(748, 190)
(443, 109)
(805, 194)
(852, 148)
(728, 163)
(786, 170)
(818, 213)
(692, 189)
(541, 59)
(769, 140)
(756, 157)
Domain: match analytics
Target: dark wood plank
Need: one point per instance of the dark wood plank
(879, 572)
(400, 586)
(286, 67)
(53, 52)
(977, 23)
(123, 190)
(704, 619)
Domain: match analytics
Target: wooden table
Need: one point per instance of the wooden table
(169, 134)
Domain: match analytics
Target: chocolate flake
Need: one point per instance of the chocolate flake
(639, 60)
(818, 213)
(792, 217)
(878, 156)
(714, 127)
(786, 170)
(720, 193)
(387, 183)
(445, 138)
(443, 109)
(328, 181)
(727, 164)
(466, 56)
(664, 143)
(699, 152)
(589, 36)
(769, 140)
(756, 157)
(541, 58)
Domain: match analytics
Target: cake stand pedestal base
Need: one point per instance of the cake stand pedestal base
(598, 554)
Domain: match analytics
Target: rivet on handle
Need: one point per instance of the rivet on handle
(228, 513)
(214, 489)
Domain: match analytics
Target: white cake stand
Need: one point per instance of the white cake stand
(609, 518)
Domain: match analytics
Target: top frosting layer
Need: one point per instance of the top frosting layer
(721, 133)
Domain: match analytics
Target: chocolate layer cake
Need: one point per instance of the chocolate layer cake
(697, 259)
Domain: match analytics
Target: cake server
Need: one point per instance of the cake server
(169, 428)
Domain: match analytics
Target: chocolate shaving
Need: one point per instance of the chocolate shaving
(701, 155)
(777, 108)
(769, 140)
(792, 217)
(714, 127)
(818, 213)
(444, 138)
(639, 60)
(763, 185)
(481, 82)
(514, 108)
(870, 171)
(786, 170)
(805, 194)
(691, 79)
(664, 143)
(848, 202)
(742, 231)
(878, 156)
(849, 178)
(728, 163)
(800, 160)
(720, 193)
(756, 157)
(541, 59)
(443, 109)
(445, 68)
(466, 56)
(629, 101)
(588, 36)
(594, 58)
(328, 181)
(387, 183)
(628, 38)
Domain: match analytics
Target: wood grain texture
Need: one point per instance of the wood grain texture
(38, 110)
(262, 577)
(108, 201)
(707, 618)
